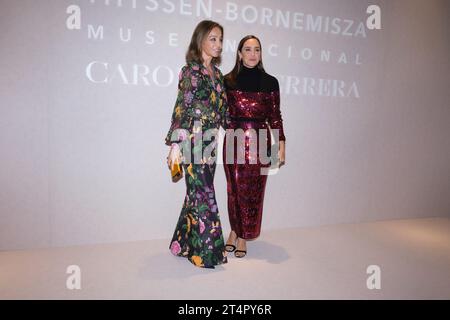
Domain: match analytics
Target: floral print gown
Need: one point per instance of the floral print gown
(201, 100)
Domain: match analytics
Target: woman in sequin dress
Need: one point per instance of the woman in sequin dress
(253, 104)
(200, 106)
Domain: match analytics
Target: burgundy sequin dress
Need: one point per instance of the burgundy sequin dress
(254, 103)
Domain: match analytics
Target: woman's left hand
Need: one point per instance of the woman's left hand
(282, 154)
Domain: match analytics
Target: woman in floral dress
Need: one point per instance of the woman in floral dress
(200, 107)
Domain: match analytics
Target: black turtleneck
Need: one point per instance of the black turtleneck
(255, 80)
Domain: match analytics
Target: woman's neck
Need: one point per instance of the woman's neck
(206, 61)
(210, 68)
(249, 69)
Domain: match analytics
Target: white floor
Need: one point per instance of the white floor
(327, 262)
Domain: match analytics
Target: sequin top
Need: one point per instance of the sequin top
(256, 96)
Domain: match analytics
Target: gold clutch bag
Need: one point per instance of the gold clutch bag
(176, 171)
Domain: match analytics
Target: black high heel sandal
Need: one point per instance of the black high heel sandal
(230, 247)
(240, 251)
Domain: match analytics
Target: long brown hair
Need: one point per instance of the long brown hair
(194, 52)
(232, 76)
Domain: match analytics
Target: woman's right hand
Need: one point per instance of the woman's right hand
(174, 155)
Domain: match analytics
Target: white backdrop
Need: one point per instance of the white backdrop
(88, 87)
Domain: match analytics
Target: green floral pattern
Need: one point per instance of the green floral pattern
(201, 100)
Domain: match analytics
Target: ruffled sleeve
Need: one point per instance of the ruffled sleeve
(181, 124)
